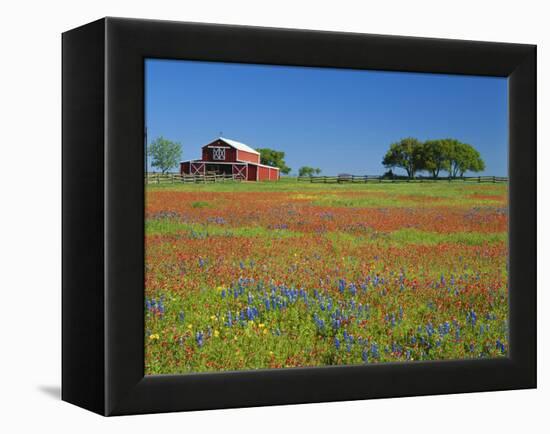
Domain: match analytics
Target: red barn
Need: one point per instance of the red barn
(229, 157)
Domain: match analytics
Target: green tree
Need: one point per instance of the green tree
(435, 156)
(406, 154)
(463, 157)
(308, 171)
(271, 157)
(166, 154)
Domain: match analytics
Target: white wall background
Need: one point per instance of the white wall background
(30, 214)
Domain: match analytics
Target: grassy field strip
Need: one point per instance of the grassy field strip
(163, 227)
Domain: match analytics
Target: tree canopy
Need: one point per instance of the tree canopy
(271, 157)
(308, 171)
(436, 156)
(463, 157)
(433, 156)
(166, 154)
(406, 154)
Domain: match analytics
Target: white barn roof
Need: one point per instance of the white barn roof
(240, 146)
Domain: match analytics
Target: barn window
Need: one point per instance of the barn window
(218, 154)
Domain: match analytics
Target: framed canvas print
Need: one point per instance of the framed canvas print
(257, 216)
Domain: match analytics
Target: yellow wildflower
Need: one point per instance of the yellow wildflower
(190, 326)
(216, 333)
(154, 337)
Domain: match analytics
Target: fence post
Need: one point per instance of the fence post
(494, 180)
(479, 179)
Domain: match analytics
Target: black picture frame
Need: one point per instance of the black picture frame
(103, 215)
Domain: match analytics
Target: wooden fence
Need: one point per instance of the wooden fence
(173, 178)
(365, 179)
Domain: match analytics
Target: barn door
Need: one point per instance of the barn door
(197, 168)
(239, 171)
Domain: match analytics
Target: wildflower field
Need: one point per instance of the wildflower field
(287, 274)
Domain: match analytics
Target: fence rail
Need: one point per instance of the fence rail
(365, 179)
(173, 178)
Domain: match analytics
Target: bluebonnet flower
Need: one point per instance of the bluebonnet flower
(365, 355)
(199, 339)
(444, 328)
(374, 351)
(430, 329)
(341, 285)
(229, 322)
(337, 343)
(318, 322)
(181, 316)
(471, 317)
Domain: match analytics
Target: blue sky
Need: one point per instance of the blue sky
(335, 119)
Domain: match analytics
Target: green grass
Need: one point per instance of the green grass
(447, 194)
(400, 237)
(194, 230)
